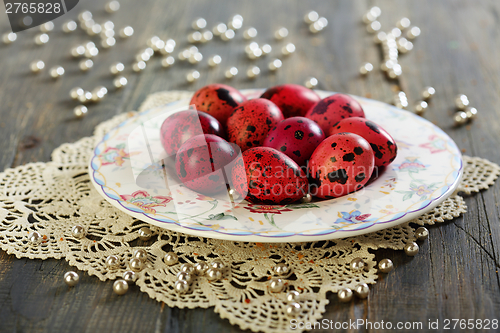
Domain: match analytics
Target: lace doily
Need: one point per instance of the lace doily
(53, 197)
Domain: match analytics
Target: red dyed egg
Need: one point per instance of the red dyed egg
(218, 100)
(292, 99)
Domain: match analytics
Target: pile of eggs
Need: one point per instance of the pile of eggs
(277, 148)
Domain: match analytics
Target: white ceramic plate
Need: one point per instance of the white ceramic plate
(426, 171)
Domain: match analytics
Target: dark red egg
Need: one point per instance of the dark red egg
(383, 145)
(334, 108)
(183, 125)
(296, 137)
(250, 123)
(263, 174)
(292, 99)
(200, 163)
(342, 163)
(218, 100)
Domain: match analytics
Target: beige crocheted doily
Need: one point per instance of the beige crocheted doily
(53, 197)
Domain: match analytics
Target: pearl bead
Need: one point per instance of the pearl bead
(311, 83)
(403, 23)
(34, 238)
(250, 33)
(253, 72)
(275, 65)
(107, 33)
(136, 264)
(192, 76)
(85, 16)
(167, 61)
(368, 18)
(413, 33)
(421, 107)
(471, 113)
(231, 72)
(206, 36)
(94, 30)
(288, 49)
(257, 53)
(9, 38)
(374, 27)
(214, 60)
(280, 269)
(213, 274)
(169, 47)
(195, 37)
(69, 26)
(217, 264)
(41, 39)
(78, 231)
(117, 68)
(195, 58)
(311, 17)
(365, 68)
(187, 268)
(170, 258)
(108, 42)
(249, 48)
(71, 278)
(293, 309)
(120, 287)
(428, 92)
(306, 198)
(112, 7)
(422, 233)
(292, 296)
(85, 98)
(199, 23)
(266, 49)
(37, 65)
(85, 25)
(56, 72)
(183, 276)
(142, 56)
(228, 35)
(86, 64)
(380, 37)
(357, 264)
(80, 111)
(407, 47)
(130, 276)
(461, 102)
(236, 22)
(47, 27)
(139, 66)
(460, 118)
(76, 92)
(345, 295)
(184, 55)
(276, 285)
(140, 254)
(219, 29)
(362, 290)
(385, 265)
(90, 53)
(411, 249)
(375, 11)
(145, 233)
(126, 32)
(281, 33)
(201, 267)
(112, 262)
(181, 286)
(78, 51)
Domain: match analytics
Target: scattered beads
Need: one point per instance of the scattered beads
(236, 22)
(41, 39)
(293, 309)
(195, 58)
(306, 198)
(214, 60)
(56, 72)
(120, 82)
(275, 64)
(76, 92)
(266, 49)
(460, 118)
(192, 76)
(345, 295)
(292, 296)
(129, 276)
(422, 233)
(36, 66)
(253, 72)
(120, 287)
(78, 231)
(117, 68)
(85, 98)
(403, 23)
(170, 258)
(288, 49)
(85, 16)
(34, 238)
(385, 265)
(188, 268)
(183, 276)
(199, 23)
(112, 262)
(71, 278)
(276, 285)
(411, 249)
(413, 33)
(250, 33)
(217, 264)
(231, 72)
(311, 17)
(219, 29)
(281, 33)
(365, 68)
(195, 37)
(373, 27)
(206, 36)
(362, 290)
(112, 7)
(80, 111)
(136, 264)
(126, 32)
(86, 64)
(471, 113)
(145, 233)
(357, 264)
(108, 42)
(69, 26)
(167, 61)
(281, 269)
(421, 107)
(428, 92)
(228, 35)
(47, 27)
(201, 267)
(78, 51)
(461, 102)
(139, 66)
(181, 286)
(311, 83)
(213, 274)
(141, 254)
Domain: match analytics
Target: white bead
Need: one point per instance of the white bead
(141, 254)
(107, 33)
(78, 51)
(380, 37)
(422, 233)
(195, 37)
(213, 274)
(366, 68)
(120, 287)
(288, 49)
(37, 65)
(396, 32)
(184, 55)
(231, 72)
(311, 83)
(266, 49)
(362, 290)
(253, 72)
(411, 249)
(206, 36)
(47, 27)
(461, 102)
(117, 68)
(403, 23)
(323, 22)
(257, 53)
(94, 30)
(108, 42)
(192, 76)
(357, 265)
(413, 33)
(112, 262)
(41, 39)
(120, 82)
(293, 309)
(275, 64)
(276, 285)
(85, 16)
(250, 33)
(236, 22)
(217, 264)
(195, 58)
(181, 286)
(199, 23)
(183, 276)
(34, 238)
(170, 258)
(281, 269)
(86, 64)
(126, 32)
(69, 26)
(228, 35)
(112, 7)
(130, 277)
(219, 29)
(428, 92)
(145, 233)
(345, 295)
(90, 53)
(385, 265)
(108, 25)
(85, 25)
(421, 107)
(71, 278)
(201, 267)
(471, 113)
(306, 198)
(249, 48)
(138, 66)
(169, 47)
(136, 264)
(78, 231)
(460, 118)
(214, 60)
(187, 268)
(374, 27)
(167, 61)
(368, 18)
(281, 33)
(153, 40)
(311, 17)
(292, 296)
(315, 27)
(76, 92)
(85, 98)
(56, 72)
(80, 111)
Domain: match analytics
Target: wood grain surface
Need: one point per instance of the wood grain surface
(455, 275)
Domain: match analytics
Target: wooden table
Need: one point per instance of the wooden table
(455, 275)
